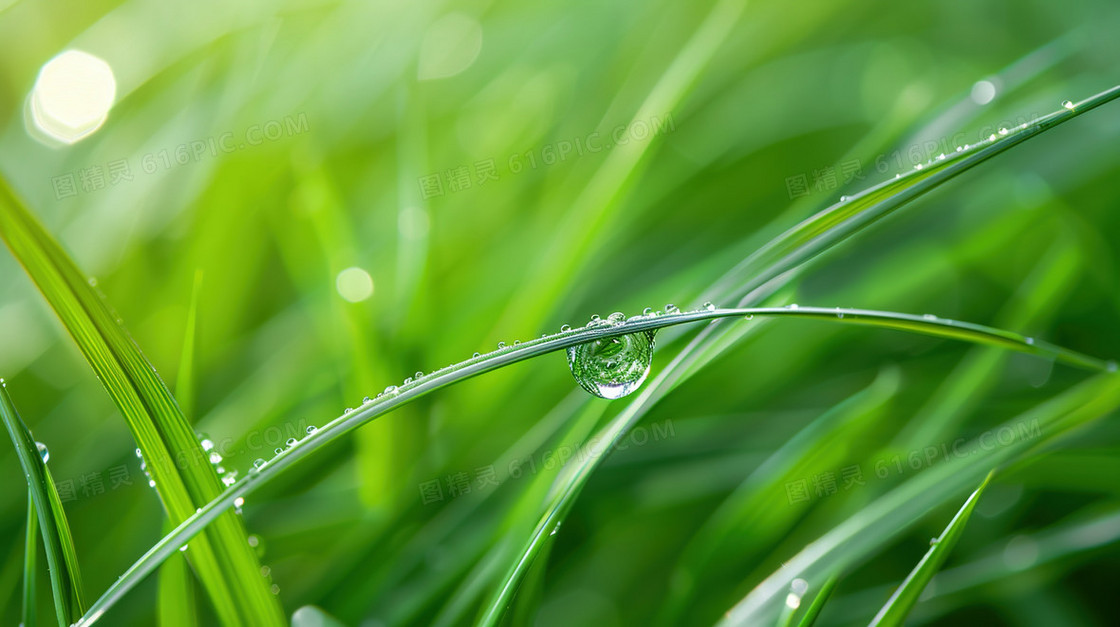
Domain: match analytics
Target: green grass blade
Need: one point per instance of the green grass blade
(30, 562)
(500, 358)
(881, 520)
(62, 559)
(184, 479)
(906, 596)
(814, 609)
(176, 592)
(829, 227)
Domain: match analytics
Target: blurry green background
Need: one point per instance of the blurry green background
(423, 143)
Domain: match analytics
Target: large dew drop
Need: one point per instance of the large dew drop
(612, 367)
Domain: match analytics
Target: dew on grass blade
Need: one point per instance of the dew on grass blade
(43, 452)
(1067, 104)
(612, 367)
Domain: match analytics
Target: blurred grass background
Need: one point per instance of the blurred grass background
(376, 102)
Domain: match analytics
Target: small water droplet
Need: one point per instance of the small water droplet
(898, 176)
(918, 167)
(929, 316)
(1030, 341)
(940, 156)
(1067, 104)
(254, 540)
(215, 458)
(791, 306)
(1002, 131)
(517, 342)
(43, 452)
(843, 199)
(670, 308)
(418, 375)
(275, 589)
(648, 311)
(183, 549)
(238, 503)
(839, 313)
(205, 442)
(992, 137)
(151, 483)
(565, 328)
(291, 442)
(616, 318)
(228, 479)
(407, 380)
(392, 389)
(959, 149)
(139, 454)
(366, 400)
(476, 355)
(1111, 366)
(311, 429)
(709, 306)
(501, 345)
(257, 463)
(612, 367)
(278, 450)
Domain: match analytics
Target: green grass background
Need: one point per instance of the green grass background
(1028, 242)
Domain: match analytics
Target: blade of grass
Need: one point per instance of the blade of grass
(814, 610)
(225, 563)
(883, 519)
(263, 473)
(62, 559)
(900, 604)
(30, 562)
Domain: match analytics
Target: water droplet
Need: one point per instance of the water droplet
(565, 328)
(151, 483)
(1030, 340)
(843, 199)
(648, 311)
(139, 454)
(418, 375)
(291, 442)
(929, 316)
(595, 317)
(215, 458)
(1111, 366)
(1002, 131)
(257, 463)
(238, 503)
(278, 450)
(254, 541)
(275, 589)
(407, 381)
(791, 306)
(839, 314)
(517, 342)
(898, 176)
(670, 308)
(392, 389)
(1067, 104)
(992, 137)
(183, 549)
(959, 149)
(366, 400)
(940, 156)
(709, 306)
(312, 429)
(43, 452)
(612, 367)
(229, 479)
(476, 355)
(501, 345)
(205, 442)
(918, 167)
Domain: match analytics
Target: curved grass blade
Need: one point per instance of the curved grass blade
(867, 531)
(223, 560)
(30, 560)
(906, 596)
(822, 597)
(62, 559)
(500, 358)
